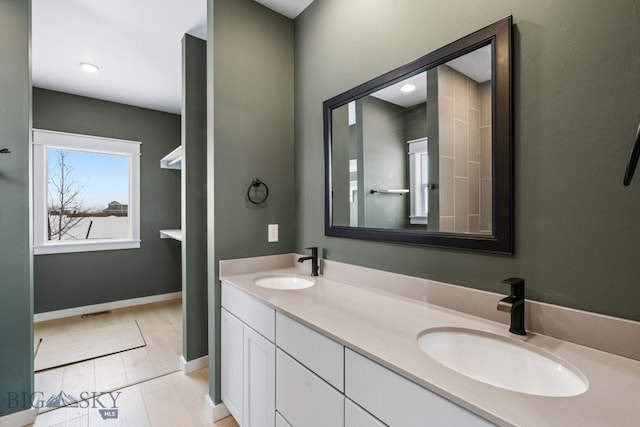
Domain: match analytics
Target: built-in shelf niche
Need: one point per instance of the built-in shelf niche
(175, 234)
(173, 160)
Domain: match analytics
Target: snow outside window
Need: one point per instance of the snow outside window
(86, 193)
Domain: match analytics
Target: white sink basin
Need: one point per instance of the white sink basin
(284, 282)
(503, 362)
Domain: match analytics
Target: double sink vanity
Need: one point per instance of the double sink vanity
(332, 350)
(357, 347)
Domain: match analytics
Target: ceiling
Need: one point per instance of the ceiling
(135, 44)
(395, 95)
(476, 65)
(289, 8)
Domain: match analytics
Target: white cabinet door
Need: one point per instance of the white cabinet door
(303, 398)
(259, 380)
(231, 359)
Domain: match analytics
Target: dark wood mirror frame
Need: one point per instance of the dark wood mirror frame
(498, 35)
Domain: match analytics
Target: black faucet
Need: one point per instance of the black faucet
(514, 304)
(313, 258)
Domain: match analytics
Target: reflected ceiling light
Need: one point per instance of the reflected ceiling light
(89, 68)
(408, 88)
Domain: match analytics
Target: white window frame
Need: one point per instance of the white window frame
(43, 140)
(419, 202)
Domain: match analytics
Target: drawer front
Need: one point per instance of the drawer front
(320, 354)
(252, 312)
(397, 401)
(281, 422)
(303, 399)
(355, 416)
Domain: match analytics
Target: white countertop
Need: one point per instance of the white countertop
(385, 328)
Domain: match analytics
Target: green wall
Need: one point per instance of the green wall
(194, 197)
(384, 162)
(252, 120)
(253, 135)
(576, 92)
(16, 313)
(77, 279)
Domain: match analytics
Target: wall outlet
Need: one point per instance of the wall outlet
(272, 233)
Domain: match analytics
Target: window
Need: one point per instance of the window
(419, 181)
(86, 192)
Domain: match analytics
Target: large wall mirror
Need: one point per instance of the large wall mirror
(423, 153)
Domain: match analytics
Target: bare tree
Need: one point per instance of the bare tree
(64, 198)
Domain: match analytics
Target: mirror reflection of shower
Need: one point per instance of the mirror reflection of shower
(417, 154)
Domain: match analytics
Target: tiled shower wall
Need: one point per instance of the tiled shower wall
(464, 116)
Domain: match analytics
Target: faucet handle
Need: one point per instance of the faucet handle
(314, 250)
(517, 286)
(515, 304)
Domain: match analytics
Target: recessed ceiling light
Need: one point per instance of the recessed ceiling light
(89, 68)
(408, 88)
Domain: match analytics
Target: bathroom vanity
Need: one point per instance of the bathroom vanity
(339, 353)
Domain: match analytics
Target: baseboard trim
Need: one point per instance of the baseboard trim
(79, 311)
(216, 412)
(193, 365)
(22, 418)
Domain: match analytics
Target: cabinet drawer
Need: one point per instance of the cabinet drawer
(355, 416)
(252, 312)
(281, 422)
(320, 354)
(303, 399)
(403, 403)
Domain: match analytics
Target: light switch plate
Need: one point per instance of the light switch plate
(272, 233)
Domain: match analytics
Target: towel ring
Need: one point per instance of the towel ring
(255, 186)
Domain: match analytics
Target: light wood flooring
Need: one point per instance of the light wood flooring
(153, 390)
(58, 350)
(161, 327)
(172, 400)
